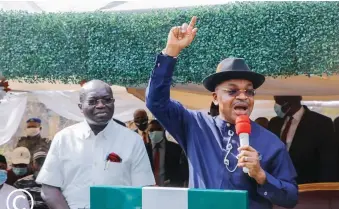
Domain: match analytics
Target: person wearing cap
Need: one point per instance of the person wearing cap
(5, 190)
(21, 159)
(213, 149)
(29, 184)
(33, 140)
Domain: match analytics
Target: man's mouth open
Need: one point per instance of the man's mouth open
(240, 109)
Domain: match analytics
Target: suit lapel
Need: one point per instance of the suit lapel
(278, 128)
(299, 137)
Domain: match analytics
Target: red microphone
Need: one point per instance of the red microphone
(243, 129)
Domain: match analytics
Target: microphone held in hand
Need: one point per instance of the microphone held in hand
(243, 129)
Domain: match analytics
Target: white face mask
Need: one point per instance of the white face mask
(278, 110)
(32, 131)
(156, 136)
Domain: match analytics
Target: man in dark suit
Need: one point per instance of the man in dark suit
(169, 166)
(309, 138)
(140, 119)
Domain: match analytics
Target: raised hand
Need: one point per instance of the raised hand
(180, 37)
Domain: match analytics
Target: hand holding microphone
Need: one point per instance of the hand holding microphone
(248, 158)
(243, 129)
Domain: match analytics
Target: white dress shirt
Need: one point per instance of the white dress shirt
(294, 125)
(77, 159)
(17, 200)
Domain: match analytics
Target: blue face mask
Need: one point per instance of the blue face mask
(3, 176)
(20, 171)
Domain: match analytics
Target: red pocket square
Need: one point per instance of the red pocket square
(112, 157)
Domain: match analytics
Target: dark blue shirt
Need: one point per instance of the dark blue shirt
(205, 140)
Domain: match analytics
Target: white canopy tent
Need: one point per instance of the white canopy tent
(59, 98)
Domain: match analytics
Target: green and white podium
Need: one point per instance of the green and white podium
(108, 197)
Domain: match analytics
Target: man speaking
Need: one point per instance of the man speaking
(216, 159)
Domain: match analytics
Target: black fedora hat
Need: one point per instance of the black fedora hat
(233, 68)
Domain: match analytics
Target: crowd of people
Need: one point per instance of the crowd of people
(26, 161)
(298, 146)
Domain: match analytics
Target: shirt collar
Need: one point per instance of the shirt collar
(162, 143)
(298, 115)
(224, 125)
(140, 132)
(87, 131)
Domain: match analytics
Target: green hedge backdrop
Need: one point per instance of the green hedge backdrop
(276, 38)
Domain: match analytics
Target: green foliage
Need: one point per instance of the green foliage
(275, 38)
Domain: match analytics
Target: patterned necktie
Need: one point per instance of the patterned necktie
(287, 128)
(156, 162)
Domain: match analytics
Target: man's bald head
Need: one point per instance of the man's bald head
(288, 99)
(97, 102)
(140, 112)
(141, 119)
(91, 85)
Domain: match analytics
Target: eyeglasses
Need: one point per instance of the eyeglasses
(104, 101)
(237, 92)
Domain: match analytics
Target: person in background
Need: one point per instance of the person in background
(21, 159)
(309, 139)
(6, 190)
(97, 151)
(214, 109)
(262, 121)
(166, 158)
(33, 140)
(216, 159)
(29, 184)
(140, 119)
(184, 172)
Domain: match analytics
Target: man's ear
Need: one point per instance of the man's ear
(215, 98)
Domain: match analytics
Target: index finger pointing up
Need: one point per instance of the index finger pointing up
(193, 21)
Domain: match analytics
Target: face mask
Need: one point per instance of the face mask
(142, 126)
(278, 110)
(20, 171)
(3, 176)
(156, 136)
(32, 131)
